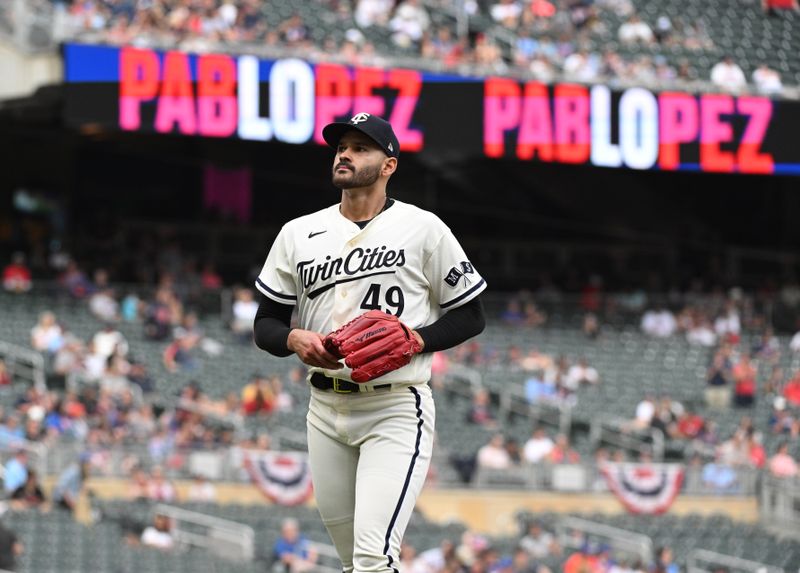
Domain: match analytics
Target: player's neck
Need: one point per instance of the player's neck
(362, 204)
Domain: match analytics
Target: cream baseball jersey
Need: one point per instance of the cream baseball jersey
(405, 261)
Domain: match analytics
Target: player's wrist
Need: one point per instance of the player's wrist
(419, 339)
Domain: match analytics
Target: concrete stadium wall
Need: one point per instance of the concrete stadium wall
(23, 73)
(486, 511)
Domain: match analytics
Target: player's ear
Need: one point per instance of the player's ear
(389, 166)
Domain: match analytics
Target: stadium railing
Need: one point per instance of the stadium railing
(620, 540)
(704, 561)
(779, 503)
(223, 537)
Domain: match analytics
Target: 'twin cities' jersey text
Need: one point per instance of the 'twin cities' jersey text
(359, 261)
(406, 262)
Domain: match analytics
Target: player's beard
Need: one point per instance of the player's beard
(364, 177)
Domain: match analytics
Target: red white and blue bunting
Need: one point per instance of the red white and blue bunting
(644, 488)
(283, 477)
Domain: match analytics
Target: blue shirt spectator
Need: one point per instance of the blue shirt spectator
(16, 471)
(538, 390)
(292, 551)
(719, 477)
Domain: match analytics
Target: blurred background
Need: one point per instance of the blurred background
(625, 175)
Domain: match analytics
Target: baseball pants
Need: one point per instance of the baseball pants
(369, 454)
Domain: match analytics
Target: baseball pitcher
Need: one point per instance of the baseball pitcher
(379, 285)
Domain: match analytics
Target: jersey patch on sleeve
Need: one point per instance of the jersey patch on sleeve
(455, 274)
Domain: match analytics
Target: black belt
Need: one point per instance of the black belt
(340, 386)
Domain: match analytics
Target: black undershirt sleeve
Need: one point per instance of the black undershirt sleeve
(272, 325)
(454, 327)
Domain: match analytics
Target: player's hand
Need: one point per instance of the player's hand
(308, 347)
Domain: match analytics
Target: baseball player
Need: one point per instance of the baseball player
(381, 284)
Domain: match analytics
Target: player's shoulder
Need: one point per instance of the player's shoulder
(304, 222)
(412, 213)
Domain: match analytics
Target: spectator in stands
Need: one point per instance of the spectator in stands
(659, 323)
(781, 420)
(29, 495)
(209, 278)
(372, 13)
(581, 374)
(773, 7)
(17, 275)
(767, 81)
(635, 31)
(244, 313)
(719, 477)
(538, 543)
(283, 400)
(767, 347)
(781, 464)
(689, 426)
(718, 381)
(494, 455)
(70, 484)
(159, 488)
(480, 412)
(258, 396)
(591, 326)
(507, 13)
(74, 281)
(47, 335)
(137, 488)
(582, 66)
(666, 416)
(10, 548)
(161, 314)
(563, 452)
(201, 489)
(700, 331)
(409, 23)
(744, 379)
(16, 471)
(756, 455)
(794, 343)
(538, 447)
(159, 534)
(645, 411)
(292, 551)
(539, 390)
(179, 355)
(791, 391)
(5, 375)
(664, 561)
(728, 76)
(110, 341)
(294, 31)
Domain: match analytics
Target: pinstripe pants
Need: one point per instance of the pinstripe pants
(369, 454)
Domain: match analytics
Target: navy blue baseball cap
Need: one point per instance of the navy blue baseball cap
(376, 128)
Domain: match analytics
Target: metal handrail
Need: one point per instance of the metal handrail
(224, 529)
(621, 539)
(612, 430)
(558, 414)
(737, 563)
(35, 360)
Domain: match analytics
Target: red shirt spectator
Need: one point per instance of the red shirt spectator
(690, 425)
(209, 278)
(16, 276)
(744, 374)
(792, 390)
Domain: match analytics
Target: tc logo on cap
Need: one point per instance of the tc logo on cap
(359, 118)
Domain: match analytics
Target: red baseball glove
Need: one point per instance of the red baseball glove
(373, 344)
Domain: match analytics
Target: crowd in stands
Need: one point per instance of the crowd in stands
(115, 402)
(551, 39)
